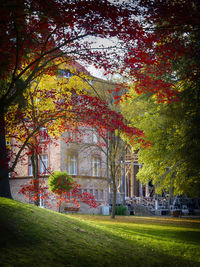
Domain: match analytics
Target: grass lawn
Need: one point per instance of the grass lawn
(31, 236)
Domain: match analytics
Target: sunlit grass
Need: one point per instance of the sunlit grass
(175, 237)
(32, 236)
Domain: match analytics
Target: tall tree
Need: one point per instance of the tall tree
(170, 162)
(111, 132)
(56, 110)
(47, 105)
(33, 36)
(178, 65)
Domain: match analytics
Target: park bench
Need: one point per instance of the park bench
(71, 209)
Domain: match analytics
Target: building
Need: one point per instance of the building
(78, 153)
(80, 158)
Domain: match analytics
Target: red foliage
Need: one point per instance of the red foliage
(33, 35)
(31, 29)
(75, 195)
(36, 190)
(94, 112)
(172, 32)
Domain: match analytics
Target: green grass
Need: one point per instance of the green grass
(31, 236)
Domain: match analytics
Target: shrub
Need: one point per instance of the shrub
(60, 182)
(120, 210)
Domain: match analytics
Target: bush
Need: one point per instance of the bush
(120, 210)
(60, 182)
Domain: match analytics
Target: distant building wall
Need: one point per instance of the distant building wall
(58, 159)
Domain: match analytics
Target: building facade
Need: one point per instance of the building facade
(81, 158)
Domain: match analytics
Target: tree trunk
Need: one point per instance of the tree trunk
(34, 162)
(4, 178)
(114, 196)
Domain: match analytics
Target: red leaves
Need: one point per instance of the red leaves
(29, 40)
(36, 190)
(117, 97)
(92, 111)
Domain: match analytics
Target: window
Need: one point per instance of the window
(80, 191)
(72, 136)
(30, 167)
(9, 164)
(44, 149)
(96, 194)
(72, 164)
(43, 134)
(91, 191)
(41, 201)
(96, 166)
(43, 164)
(101, 194)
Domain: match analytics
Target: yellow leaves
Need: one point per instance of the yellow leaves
(48, 82)
(78, 84)
(46, 101)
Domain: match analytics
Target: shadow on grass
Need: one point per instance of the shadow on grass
(36, 237)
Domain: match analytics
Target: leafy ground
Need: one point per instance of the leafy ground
(31, 236)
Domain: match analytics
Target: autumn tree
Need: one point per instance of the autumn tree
(47, 105)
(172, 129)
(33, 36)
(110, 132)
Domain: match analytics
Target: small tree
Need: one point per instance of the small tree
(60, 182)
(63, 185)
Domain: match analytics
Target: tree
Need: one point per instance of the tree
(60, 182)
(34, 36)
(175, 141)
(111, 129)
(47, 103)
(176, 26)
(45, 107)
(55, 110)
(170, 162)
(64, 188)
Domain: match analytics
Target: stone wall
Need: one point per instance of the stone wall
(57, 159)
(54, 159)
(89, 184)
(85, 150)
(16, 185)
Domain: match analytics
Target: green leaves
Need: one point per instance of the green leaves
(172, 129)
(60, 182)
